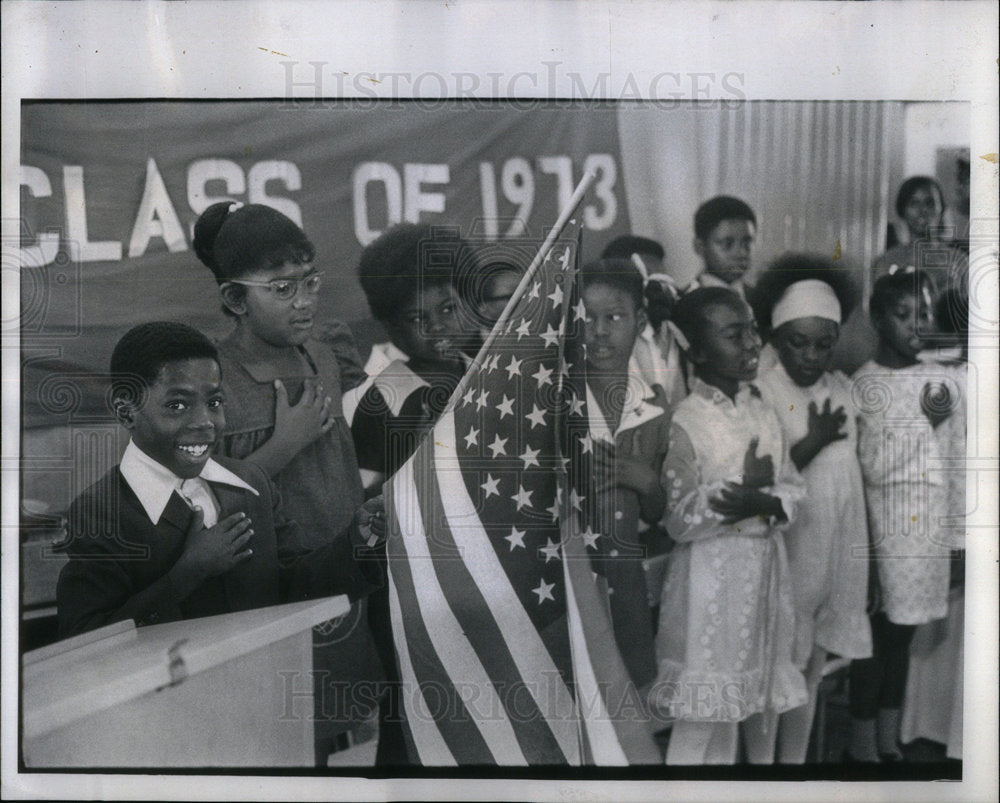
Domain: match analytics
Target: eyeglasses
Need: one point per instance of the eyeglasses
(287, 289)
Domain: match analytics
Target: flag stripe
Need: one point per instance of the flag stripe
(633, 732)
(519, 633)
(424, 734)
(532, 727)
(602, 739)
(457, 657)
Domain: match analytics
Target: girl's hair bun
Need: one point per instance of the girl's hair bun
(233, 240)
(206, 229)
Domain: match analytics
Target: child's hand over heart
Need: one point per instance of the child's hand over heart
(758, 472)
(295, 426)
(306, 421)
(825, 426)
(936, 403)
(824, 429)
(735, 502)
(210, 551)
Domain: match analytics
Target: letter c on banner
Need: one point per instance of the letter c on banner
(47, 247)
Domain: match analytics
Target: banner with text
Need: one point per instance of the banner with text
(110, 193)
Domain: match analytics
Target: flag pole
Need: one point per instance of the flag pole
(564, 217)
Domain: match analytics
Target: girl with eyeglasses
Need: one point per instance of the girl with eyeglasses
(284, 376)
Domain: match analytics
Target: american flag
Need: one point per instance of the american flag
(498, 600)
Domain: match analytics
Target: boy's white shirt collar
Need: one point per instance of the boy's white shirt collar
(153, 483)
(638, 413)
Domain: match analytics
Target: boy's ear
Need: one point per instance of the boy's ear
(234, 298)
(124, 412)
(699, 246)
(694, 355)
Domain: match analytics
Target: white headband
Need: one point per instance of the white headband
(806, 299)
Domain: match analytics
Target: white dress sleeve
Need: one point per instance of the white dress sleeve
(688, 517)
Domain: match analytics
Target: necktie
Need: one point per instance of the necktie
(197, 494)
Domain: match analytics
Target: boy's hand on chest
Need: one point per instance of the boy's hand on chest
(211, 551)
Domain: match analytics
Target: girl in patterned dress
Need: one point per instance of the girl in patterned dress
(802, 301)
(902, 451)
(932, 708)
(724, 644)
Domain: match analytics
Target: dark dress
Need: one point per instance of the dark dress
(321, 489)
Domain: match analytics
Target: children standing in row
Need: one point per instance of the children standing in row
(738, 617)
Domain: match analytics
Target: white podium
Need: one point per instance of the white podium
(222, 691)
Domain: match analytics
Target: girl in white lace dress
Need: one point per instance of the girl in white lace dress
(724, 645)
(803, 300)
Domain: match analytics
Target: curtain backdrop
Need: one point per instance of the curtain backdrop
(816, 174)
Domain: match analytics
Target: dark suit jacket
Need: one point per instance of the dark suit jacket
(119, 559)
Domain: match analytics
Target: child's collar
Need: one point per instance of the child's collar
(633, 415)
(153, 483)
(706, 279)
(701, 388)
(382, 355)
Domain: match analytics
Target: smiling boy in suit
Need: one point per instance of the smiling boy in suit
(171, 533)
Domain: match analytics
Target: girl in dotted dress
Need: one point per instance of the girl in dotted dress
(903, 446)
(724, 644)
